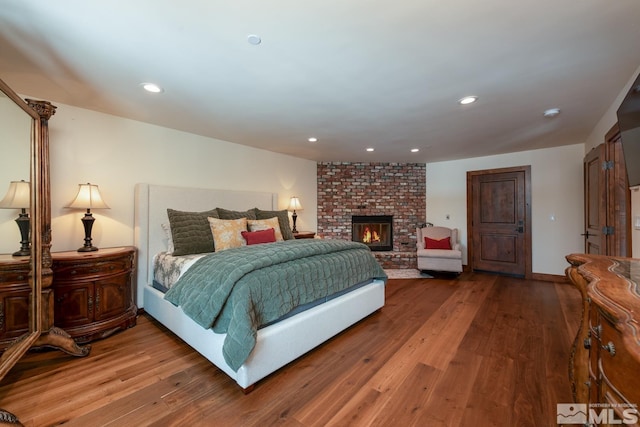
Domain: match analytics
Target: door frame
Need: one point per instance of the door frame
(527, 212)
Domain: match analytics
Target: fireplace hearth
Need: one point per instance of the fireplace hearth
(376, 231)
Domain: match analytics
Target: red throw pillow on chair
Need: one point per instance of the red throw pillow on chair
(437, 244)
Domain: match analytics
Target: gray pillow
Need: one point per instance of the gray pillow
(283, 221)
(191, 232)
(228, 214)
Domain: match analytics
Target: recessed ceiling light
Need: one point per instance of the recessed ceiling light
(152, 87)
(370, 149)
(415, 150)
(551, 112)
(467, 100)
(254, 39)
(313, 139)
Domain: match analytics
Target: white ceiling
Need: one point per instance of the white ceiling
(354, 73)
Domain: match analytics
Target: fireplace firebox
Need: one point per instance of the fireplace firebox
(376, 231)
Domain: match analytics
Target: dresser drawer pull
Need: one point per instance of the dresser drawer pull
(587, 343)
(598, 330)
(610, 348)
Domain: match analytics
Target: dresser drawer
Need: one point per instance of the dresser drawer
(616, 363)
(14, 278)
(85, 270)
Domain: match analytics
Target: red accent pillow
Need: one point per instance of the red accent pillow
(437, 244)
(261, 236)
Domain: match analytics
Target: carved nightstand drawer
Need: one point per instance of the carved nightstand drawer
(87, 268)
(14, 277)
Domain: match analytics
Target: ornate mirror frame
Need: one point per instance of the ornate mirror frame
(42, 332)
(17, 350)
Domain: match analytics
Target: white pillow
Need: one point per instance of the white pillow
(265, 224)
(227, 233)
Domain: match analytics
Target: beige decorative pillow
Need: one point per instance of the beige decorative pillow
(265, 224)
(227, 233)
(283, 219)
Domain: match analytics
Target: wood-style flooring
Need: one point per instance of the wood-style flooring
(476, 350)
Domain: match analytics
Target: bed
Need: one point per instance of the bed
(276, 344)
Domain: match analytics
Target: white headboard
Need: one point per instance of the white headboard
(151, 203)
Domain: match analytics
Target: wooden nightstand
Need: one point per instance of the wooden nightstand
(304, 235)
(14, 298)
(93, 292)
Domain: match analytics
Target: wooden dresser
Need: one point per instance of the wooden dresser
(605, 362)
(94, 292)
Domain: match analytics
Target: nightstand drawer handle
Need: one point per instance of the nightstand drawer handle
(610, 347)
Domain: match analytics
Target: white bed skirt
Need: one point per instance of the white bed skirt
(277, 344)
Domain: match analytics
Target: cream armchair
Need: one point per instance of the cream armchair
(439, 259)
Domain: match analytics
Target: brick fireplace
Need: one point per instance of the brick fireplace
(359, 189)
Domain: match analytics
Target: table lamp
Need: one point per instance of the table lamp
(294, 204)
(88, 198)
(19, 197)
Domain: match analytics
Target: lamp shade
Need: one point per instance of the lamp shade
(18, 196)
(88, 197)
(294, 204)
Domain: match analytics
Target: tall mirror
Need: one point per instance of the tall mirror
(20, 228)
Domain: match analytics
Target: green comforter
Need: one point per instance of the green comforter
(238, 290)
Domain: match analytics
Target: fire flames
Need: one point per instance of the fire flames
(369, 236)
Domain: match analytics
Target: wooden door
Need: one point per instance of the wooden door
(619, 197)
(500, 214)
(595, 201)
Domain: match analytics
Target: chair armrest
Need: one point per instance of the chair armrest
(419, 239)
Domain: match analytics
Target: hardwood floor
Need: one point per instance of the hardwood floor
(478, 350)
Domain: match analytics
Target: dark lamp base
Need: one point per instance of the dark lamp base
(87, 222)
(22, 252)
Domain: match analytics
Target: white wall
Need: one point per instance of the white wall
(556, 175)
(117, 153)
(609, 118)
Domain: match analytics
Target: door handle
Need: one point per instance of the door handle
(520, 229)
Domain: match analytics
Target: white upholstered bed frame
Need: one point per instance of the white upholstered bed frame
(277, 344)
